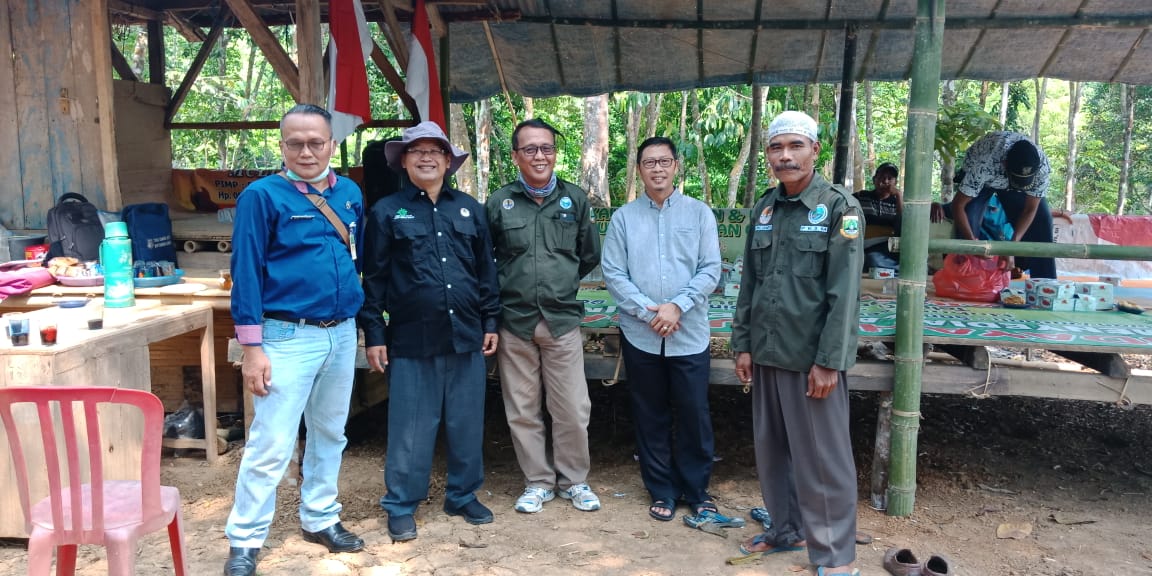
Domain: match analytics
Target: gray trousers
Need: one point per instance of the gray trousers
(804, 461)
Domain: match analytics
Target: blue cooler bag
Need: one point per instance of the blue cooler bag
(150, 229)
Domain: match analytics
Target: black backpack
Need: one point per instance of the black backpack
(150, 228)
(74, 229)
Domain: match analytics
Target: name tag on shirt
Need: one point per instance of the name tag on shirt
(763, 227)
(565, 216)
(301, 217)
(814, 229)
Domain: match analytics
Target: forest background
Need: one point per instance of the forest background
(1096, 148)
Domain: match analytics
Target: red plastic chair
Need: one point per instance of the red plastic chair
(81, 507)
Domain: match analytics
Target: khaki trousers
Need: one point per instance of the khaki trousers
(546, 371)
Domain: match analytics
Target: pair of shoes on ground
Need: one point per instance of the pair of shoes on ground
(902, 562)
(242, 561)
(402, 527)
(581, 496)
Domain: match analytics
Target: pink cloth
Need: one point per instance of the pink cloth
(24, 280)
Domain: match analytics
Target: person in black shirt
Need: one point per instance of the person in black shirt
(882, 206)
(428, 265)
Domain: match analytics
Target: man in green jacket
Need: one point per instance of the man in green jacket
(794, 334)
(545, 241)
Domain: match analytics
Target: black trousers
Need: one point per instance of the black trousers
(673, 423)
(1013, 203)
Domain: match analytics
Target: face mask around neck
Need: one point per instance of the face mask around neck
(297, 178)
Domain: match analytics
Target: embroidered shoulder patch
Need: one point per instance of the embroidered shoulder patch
(850, 226)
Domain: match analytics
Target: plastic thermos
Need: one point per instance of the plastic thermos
(116, 259)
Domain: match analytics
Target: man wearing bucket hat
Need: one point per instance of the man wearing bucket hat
(546, 241)
(428, 265)
(295, 290)
(794, 334)
(1009, 166)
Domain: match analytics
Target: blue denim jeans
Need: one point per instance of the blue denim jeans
(312, 373)
(421, 393)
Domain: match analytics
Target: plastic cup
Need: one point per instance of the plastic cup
(48, 332)
(18, 328)
(95, 315)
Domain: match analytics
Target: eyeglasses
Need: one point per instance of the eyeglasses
(422, 152)
(665, 162)
(531, 151)
(316, 146)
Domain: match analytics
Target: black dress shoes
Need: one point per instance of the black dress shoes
(335, 538)
(401, 528)
(473, 512)
(241, 561)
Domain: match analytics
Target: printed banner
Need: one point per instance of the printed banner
(207, 190)
(953, 320)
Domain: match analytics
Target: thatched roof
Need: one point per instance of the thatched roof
(582, 47)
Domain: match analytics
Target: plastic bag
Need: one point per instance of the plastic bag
(972, 278)
(186, 422)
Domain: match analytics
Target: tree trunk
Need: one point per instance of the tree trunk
(1128, 102)
(701, 163)
(1074, 90)
(466, 175)
(1004, 88)
(755, 129)
(529, 108)
(985, 87)
(222, 103)
(594, 161)
(870, 132)
(683, 117)
(483, 146)
(652, 111)
(1041, 90)
(947, 165)
(633, 127)
(814, 103)
(737, 168)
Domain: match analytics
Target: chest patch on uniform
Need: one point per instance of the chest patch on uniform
(402, 214)
(507, 204)
(565, 202)
(766, 216)
(818, 214)
(850, 226)
(465, 212)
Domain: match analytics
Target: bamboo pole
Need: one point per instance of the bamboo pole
(1036, 249)
(922, 110)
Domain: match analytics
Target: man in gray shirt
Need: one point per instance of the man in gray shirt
(661, 261)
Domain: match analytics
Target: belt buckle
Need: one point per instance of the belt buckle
(327, 323)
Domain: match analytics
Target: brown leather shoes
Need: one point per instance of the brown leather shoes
(937, 566)
(901, 562)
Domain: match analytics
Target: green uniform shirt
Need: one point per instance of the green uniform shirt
(542, 252)
(799, 296)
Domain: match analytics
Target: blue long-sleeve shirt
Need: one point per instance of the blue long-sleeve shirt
(655, 254)
(288, 258)
(430, 267)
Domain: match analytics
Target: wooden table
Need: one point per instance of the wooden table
(116, 355)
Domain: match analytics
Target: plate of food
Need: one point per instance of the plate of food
(158, 281)
(80, 280)
(1013, 298)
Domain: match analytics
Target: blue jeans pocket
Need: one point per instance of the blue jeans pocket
(278, 331)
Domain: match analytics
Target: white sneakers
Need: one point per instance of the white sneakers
(582, 497)
(533, 499)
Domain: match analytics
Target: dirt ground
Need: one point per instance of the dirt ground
(1077, 476)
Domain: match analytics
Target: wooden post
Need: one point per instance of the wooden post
(844, 115)
(102, 69)
(309, 52)
(882, 452)
(156, 63)
(445, 83)
(922, 110)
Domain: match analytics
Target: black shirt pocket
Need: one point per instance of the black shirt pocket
(411, 240)
(464, 238)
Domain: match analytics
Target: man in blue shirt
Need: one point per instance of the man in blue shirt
(661, 261)
(295, 291)
(429, 266)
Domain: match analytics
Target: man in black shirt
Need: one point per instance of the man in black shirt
(882, 207)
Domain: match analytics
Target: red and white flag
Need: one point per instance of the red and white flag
(349, 47)
(423, 84)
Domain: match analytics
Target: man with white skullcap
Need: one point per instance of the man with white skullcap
(794, 334)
